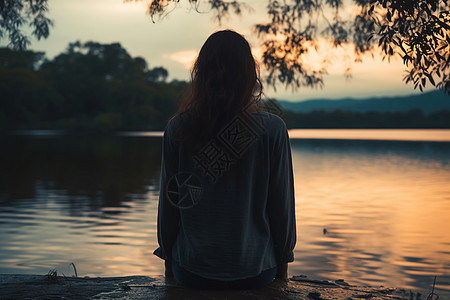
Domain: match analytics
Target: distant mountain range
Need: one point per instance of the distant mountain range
(428, 103)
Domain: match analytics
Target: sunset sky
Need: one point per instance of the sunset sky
(174, 41)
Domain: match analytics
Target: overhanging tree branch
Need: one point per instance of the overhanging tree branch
(16, 13)
(416, 30)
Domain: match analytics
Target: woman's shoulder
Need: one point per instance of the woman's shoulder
(171, 126)
(272, 123)
(264, 121)
(173, 122)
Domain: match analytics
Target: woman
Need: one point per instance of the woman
(226, 216)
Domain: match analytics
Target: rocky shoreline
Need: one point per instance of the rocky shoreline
(51, 286)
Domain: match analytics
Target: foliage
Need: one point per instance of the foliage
(220, 8)
(109, 121)
(89, 86)
(419, 31)
(100, 87)
(416, 30)
(21, 88)
(16, 13)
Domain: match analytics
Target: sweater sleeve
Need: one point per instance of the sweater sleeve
(281, 201)
(168, 222)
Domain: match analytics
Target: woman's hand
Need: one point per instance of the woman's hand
(282, 272)
(168, 273)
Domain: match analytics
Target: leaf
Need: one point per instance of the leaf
(430, 78)
(407, 78)
(442, 47)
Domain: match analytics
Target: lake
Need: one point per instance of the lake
(373, 206)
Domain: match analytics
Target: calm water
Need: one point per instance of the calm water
(371, 212)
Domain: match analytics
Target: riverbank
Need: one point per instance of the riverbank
(52, 286)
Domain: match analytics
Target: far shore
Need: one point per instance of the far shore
(380, 134)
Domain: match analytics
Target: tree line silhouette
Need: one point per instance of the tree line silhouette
(345, 119)
(90, 86)
(100, 87)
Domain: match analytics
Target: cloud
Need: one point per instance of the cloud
(185, 57)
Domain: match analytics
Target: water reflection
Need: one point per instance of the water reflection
(432, 135)
(89, 171)
(371, 212)
(384, 206)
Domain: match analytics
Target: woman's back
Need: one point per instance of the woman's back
(226, 207)
(238, 194)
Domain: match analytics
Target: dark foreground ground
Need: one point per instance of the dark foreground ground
(143, 287)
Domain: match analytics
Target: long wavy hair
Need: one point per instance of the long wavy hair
(224, 81)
